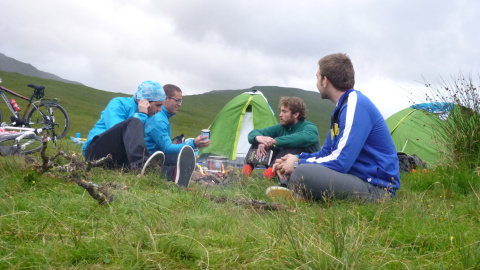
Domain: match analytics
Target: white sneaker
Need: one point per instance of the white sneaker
(277, 192)
(154, 163)
(185, 166)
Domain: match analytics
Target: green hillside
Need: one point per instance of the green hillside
(199, 111)
(84, 104)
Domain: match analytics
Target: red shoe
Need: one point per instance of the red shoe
(247, 170)
(268, 173)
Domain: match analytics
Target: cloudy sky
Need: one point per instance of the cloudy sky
(204, 45)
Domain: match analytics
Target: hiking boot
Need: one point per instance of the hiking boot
(247, 170)
(185, 166)
(154, 163)
(277, 192)
(268, 173)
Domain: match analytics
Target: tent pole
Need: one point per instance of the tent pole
(401, 120)
(404, 145)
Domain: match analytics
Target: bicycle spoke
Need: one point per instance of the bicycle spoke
(51, 117)
(27, 145)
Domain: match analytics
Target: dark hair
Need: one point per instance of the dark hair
(170, 89)
(338, 69)
(296, 105)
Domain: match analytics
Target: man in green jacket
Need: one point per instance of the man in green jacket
(293, 135)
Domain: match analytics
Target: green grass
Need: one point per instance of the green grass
(48, 222)
(461, 133)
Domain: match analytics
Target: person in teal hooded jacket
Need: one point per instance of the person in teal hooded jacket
(158, 131)
(121, 127)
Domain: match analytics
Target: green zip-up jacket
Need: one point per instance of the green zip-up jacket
(302, 135)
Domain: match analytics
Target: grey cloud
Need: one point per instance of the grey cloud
(213, 44)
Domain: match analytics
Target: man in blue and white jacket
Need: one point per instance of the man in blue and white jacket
(358, 158)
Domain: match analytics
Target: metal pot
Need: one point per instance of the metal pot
(215, 162)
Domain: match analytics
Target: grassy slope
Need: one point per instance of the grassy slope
(84, 104)
(199, 109)
(47, 222)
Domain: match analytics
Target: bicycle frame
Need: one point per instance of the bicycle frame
(39, 112)
(2, 93)
(24, 132)
(29, 100)
(35, 130)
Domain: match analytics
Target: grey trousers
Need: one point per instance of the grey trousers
(318, 182)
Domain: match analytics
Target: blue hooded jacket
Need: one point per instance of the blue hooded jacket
(158, 133)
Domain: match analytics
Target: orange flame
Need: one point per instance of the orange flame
(223, 170)
(201, 170)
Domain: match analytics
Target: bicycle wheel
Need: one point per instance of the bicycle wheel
(27, 145)
(49, 116)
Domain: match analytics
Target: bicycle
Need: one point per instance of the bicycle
(20, 140)
(46, 114)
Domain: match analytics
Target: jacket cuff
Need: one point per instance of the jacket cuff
(142, 116)
(191, 143)
(304, 155)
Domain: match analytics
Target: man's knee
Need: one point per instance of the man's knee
(133, 127)
(133, 121)
(311, 181)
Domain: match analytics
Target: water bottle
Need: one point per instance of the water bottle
(14, 105)
(77, 140)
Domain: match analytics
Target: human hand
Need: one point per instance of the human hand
(277, 168)
(261, 151)
(143, 106)
(268, 141)
(201, 142)
(285, 164)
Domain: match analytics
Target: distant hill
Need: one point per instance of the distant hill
(12, 65)
(207, 105)
(84, 104)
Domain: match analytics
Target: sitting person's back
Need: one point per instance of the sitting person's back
(358, 159)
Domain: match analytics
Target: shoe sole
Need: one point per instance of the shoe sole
(157, 157)
(277, 192)
(185, 166)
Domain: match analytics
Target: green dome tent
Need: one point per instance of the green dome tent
(230, 128)
(417, 130)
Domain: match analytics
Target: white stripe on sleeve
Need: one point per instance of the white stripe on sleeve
(352, 104)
